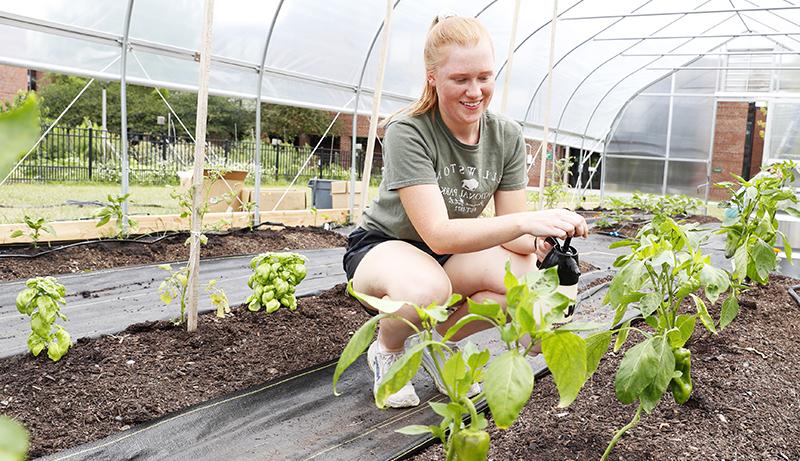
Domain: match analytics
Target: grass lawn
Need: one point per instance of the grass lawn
(68, 201)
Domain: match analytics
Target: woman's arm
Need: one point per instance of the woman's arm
(515, 201)
(426, 209)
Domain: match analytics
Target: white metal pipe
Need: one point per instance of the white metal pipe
(259, 90)
(723, 68)
(123, 107)
(717, 53)
(548, 100)
(680, 37)
(669, 136)
(510, 59)
(199, 161)
(669, 13)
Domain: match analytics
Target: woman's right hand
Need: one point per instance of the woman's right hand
(558, 223)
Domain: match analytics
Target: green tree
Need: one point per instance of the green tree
(288, 122)
(227, 116)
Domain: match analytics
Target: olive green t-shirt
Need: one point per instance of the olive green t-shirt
(422, 150)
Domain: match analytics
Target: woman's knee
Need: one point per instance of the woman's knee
(422, 291)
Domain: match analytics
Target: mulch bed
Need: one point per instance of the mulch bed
(745, 403)
(105, 385)
(105, 255)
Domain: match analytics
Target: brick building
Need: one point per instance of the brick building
(14, 80)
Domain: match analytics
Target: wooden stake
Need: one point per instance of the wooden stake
(376, 104)
(199, 160)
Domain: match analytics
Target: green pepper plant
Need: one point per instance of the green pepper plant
(41, 301)
(664, 267)
(13, 440)
(114, 211)
(35, 228)
(534, 309)
(274, 278)
(750, 226)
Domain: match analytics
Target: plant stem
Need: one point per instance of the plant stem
(473, 413)
(618, 435)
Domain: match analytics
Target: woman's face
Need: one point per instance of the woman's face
(464, 84)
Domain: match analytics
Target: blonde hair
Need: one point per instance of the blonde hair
(458, 30)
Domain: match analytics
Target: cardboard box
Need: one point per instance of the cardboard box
(223, 193)
(294, 199)
(343, 200)
(343, 187)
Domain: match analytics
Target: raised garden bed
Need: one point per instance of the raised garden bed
(108, 254)
(745, 403)
(105, 385)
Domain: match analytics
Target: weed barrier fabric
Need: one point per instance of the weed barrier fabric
(295, 418)
(108, 301)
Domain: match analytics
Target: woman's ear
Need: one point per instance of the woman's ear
(431, 79)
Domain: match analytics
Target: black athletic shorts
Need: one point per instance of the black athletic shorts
(360, 241)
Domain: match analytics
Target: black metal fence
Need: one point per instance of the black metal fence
(86, 154)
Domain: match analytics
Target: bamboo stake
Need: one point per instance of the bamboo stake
(199, 160)
(376, 104)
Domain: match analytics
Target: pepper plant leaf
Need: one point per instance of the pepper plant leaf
(565, 355)
(665, 366)
(508, 385)
(400, 373)
(636, 371)
(730, 309)
(355, 347)
(386, 305)
(596, 346)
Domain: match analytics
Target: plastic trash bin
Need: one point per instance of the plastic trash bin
(321, 193)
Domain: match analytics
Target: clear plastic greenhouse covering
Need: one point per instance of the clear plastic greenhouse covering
(319, 54)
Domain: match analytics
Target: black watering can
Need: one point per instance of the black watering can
(565, 257)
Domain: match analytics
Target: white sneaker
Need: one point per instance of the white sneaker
(429, 366)
(380, 362)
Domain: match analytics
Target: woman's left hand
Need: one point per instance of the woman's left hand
(542, 248)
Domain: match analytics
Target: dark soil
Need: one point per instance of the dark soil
(745, 404)
(631, 228)
(108, 254)
(104, 385)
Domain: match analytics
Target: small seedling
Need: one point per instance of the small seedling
(42, 302)
(35, 228)
(114, 211)
(218, 299)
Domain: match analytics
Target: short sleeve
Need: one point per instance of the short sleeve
(515, 176)
(407, 157)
